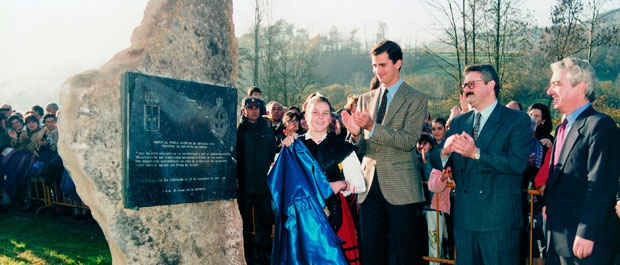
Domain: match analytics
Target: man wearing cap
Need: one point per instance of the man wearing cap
(255, 150)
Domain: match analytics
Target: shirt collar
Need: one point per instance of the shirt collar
(572, 117)
(393, 89)
(486, 112)
(307, 136)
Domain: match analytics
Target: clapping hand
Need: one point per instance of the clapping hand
(348, 122)
(465, 145)
(363, 120)
(455, 111)
(462, 144)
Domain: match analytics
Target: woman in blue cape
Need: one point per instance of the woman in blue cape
(314, 224)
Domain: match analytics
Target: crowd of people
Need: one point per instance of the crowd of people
(381, 182)
(28, 142)
(447, 188)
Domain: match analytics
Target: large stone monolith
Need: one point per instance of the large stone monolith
(183, 39)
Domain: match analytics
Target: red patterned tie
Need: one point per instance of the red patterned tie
(559, 141)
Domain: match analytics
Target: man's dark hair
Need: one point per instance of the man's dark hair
(393, 50)
(49, 115)
(38, 109)
(488, 73)
(253, 89)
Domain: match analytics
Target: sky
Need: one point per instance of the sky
(46, 41)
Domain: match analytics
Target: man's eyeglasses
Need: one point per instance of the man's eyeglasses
(471, 84)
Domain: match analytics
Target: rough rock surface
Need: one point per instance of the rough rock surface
(184, 39)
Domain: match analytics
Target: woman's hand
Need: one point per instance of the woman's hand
(338, 186)
(288, 141)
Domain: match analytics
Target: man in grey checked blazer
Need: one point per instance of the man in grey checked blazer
(392, 228)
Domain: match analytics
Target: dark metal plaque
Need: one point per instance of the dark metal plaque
(178, 141)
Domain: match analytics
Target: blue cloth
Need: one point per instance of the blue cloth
(16, 167)
(299, 188)
(68, 187)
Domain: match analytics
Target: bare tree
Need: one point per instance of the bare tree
(381, 31)
(600, 33)
(593, 21)
(464, 16)
(257, 21)
(498, 38)
(565, 36)
(451, 37)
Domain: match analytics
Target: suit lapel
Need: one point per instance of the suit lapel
(469, 123)
(491, 126)
(573, 135)
(555, 141)
(468, 127)
(374, 102)
(397, 102)
(569, 143)
(487, 133)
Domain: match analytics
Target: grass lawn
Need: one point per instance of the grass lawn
(26, 238)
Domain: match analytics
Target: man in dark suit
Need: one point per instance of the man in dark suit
(488, 150)
(386, 126)
(581, 188)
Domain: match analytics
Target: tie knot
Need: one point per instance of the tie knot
(564, 122)
(476, 130)
(477, 117)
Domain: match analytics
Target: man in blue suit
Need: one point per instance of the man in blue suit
(488, 150)
(581, 188)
